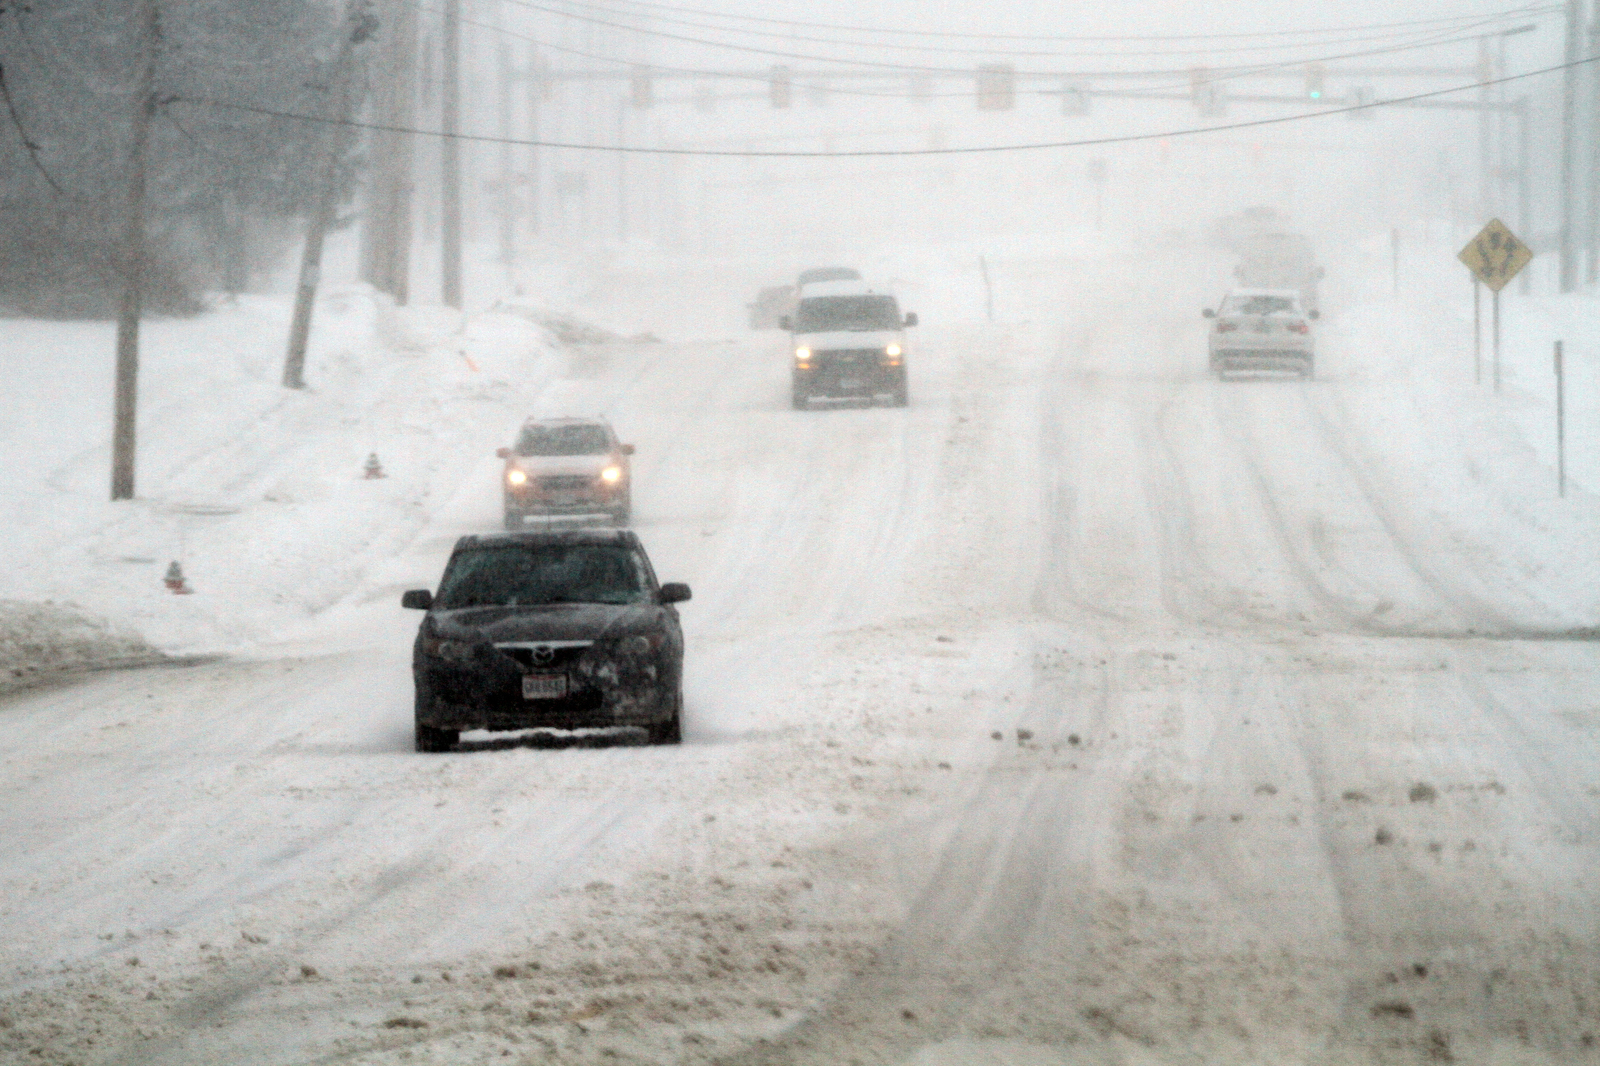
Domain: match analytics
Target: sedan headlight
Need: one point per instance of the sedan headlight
(611, 475)
(630, 647)
(454, 650)
(516, 477)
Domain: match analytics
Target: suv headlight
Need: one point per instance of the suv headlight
(611, 475)
(516, 477)
(802, 358)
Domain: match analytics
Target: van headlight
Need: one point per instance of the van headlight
(611, 475)
(892, 351)
(516, 477)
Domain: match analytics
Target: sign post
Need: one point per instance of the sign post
(1494, 256)
(1477, 331)
(1561, 425)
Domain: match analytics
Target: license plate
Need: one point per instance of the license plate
(544, 686)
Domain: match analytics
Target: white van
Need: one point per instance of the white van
(848, 341)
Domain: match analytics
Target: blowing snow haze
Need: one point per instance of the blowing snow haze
(1145, 595)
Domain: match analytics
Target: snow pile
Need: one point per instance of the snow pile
(1428, 427)
(260, 493)
(40, 641)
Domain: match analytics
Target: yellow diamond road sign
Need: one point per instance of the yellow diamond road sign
(1495, 255)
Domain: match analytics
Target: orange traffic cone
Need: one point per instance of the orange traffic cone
(175, 580)
(373, 467)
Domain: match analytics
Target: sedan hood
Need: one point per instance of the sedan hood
(559, 621)
(834, 340)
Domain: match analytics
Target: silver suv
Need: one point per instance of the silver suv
(567, 468)
(1262, 331)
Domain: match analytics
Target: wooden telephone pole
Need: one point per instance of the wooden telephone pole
(357, 27)
(450, 153)
(125, 407)
(386, 220)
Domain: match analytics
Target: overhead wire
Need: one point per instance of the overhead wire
(887, 152)
(911, 69)
(949, 34)
(1209, 76)
(992, 52)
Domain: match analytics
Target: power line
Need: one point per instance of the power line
(884, 152)
(1213, 75)
(997, 52)
(910, 69)
(1516, 13)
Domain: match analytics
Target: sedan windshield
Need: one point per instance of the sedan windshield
(819, 314)
(519, 575)
(1260, 305)
(563, 440)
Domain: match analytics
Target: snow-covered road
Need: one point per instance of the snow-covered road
(1088, 710)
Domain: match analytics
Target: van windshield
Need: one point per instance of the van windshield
(819, 314)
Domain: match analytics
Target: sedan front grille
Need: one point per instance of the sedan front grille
(545, 655)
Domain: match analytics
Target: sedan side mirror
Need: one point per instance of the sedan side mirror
(1313, 313)
(503, 453)
(1208, 313)
(417, 600)
(911, 318)
(675, 592)
(785, 322)
(627, 449)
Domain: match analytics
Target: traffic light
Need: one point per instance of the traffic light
(997, 87)
(640, 88)
(1360, 98)
(1075, 99)
(1209, 96)
(778, 86)
(1314, 80)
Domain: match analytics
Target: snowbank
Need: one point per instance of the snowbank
(43, 641)
(260, 493)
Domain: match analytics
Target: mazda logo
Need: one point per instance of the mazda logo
(544, 655)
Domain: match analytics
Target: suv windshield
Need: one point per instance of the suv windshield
(563, 440)
(1260, 305)
(519, 575)
(827, 274)
(818, 314)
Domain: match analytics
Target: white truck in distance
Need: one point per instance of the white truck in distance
(848, 342)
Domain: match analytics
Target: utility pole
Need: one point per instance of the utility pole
(450, 153)
(508, 200)
(1486, 185)
(386, 228)
(356, 27)
(125, 405)
(536, 90)
(622, 172)
(1569, 131)
(1524, 182)
(1593, 273)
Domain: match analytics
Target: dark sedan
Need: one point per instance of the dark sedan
(563, 630)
